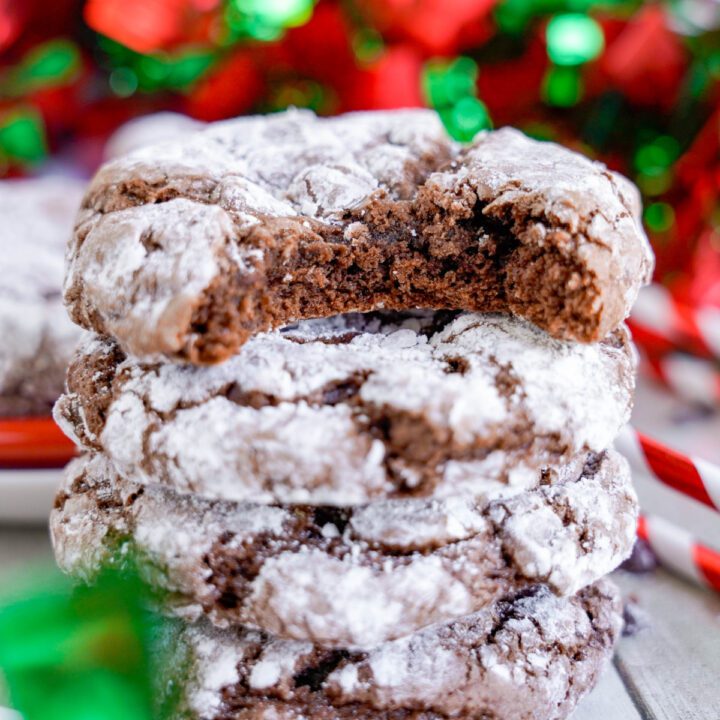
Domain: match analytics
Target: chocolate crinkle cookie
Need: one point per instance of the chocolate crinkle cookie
(529, 656)
(352, 576)
(184, 250)
(354, 408)
(38, 338)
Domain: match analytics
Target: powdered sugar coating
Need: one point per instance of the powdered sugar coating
(528, 658)
(37, 219)
(282, 165)
(345, 410)
(147, 130)
(323, 173)
(355, 577)
(308, 165)
(118, 261)
(593, 205)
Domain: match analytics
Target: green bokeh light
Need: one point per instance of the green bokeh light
(368, 45)
(280, 13)
(447, 81)
(22, 136)
(265, 20)
(658, 155)
(132, 72)
(574, 39)
(655, 184)
(562, 86)
(513, 16)
(467, 118)
(123, 81)
(654, 161)
(450, 86)
(659, 216)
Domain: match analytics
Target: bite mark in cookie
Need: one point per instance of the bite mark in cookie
(186, 250)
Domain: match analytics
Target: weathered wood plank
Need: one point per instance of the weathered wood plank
(672, 668)
(608, 701)
(21, 545)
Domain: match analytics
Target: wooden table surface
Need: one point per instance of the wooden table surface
(670, 669)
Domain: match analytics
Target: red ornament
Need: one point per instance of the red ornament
(231, 88)
(511, 88)
(646, 60)
(436, 25)
(703, 154)
(12, 18)
(321, 49)
(695, 198)
(393, 81)
(149, 25)
(704, 287)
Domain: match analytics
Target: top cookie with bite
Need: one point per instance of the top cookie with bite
(184, 250)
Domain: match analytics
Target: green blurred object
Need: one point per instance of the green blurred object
(574, 39)
(22, 136)
(78, 653)
(658, 155)
(123, 81)
(654, 161)
(50, 64)
(466, 119)
(659, 216)
(450, 86)
(265, 19)
(367, 45)
(134, 71)
(562, 87)
(281, 13)
(513, 16)
(447, 81)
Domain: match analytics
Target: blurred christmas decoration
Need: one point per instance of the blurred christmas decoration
(78, 653)
(635, 84)
(451, 88)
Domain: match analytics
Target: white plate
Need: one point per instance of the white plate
(26, 496)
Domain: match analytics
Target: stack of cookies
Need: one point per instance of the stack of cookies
(349, 405)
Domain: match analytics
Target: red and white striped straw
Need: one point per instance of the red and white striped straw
(694, 477)
(677, 550)
(661, 323)
(691, 378)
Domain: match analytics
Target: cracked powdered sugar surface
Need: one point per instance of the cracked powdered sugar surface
(295, 416)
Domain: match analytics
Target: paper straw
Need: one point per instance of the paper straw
(677, 550)
(661, 323)
(694, 477)
(691, 378)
